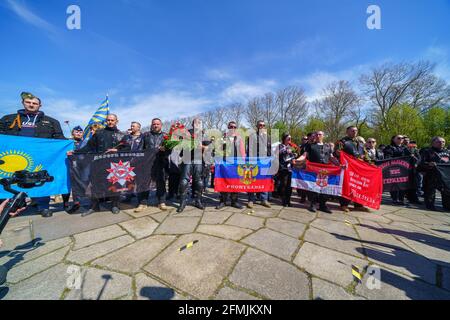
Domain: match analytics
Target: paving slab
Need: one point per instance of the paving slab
(270, 277)
(215, 217)
(335, 227)
(16, 234)
(378, 235)
(337, 216)
(373, 216)
(47, 285)
(245, 221)
(227, 293)
(438, 253)
(395, 286)
(178, 225)
(224, 231)
(150, 289)
(273, 242)
(291, 228)
(298, 215)
(140, 228)
(264, 213)
(28, 253)
(336, 242)
(328, 264)
(159, 217)
(98, 250)
(132, 258)
(88, 238)
(32, 267)
(63, 225)
(199, 270)
(148, 211)
(101, 285)
(324, 290)
(405, 262)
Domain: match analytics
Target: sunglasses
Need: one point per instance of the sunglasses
(371, 141)
(232, 127)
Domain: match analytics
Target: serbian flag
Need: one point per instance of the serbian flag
(363, 183)
(319, 178)
(238, 175)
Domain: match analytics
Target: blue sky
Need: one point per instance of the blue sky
(176, 58)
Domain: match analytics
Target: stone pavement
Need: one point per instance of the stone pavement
(262, 253)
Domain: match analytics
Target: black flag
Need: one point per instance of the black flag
(104, 175)
(444, 175)
(398, 173)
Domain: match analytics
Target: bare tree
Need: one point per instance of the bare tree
(338, 107)
(292, 107)
(235, 112)
(428, 92)
(254, 112)
(393, 84)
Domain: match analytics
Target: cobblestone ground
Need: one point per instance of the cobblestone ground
(262, 253)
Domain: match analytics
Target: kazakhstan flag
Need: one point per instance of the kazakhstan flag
(34, 154)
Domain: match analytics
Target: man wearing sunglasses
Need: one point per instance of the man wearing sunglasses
(373, 153)
(233, 148)
(259, 146)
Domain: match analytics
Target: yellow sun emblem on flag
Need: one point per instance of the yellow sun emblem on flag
(14, 160)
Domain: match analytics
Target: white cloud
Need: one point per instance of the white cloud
(441, 57)
(29, 17)
(241, 91)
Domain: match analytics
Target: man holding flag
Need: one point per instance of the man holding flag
(31, 122)
(107, 140)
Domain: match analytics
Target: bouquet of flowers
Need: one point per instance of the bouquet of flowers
(175, 136)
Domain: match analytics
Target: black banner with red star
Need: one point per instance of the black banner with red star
(104, 175)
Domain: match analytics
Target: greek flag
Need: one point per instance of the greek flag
(99, 117)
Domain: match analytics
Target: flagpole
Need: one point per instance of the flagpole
(68, 125)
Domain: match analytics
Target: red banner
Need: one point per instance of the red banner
(363, 183)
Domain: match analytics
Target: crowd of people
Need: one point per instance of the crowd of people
(197, 174)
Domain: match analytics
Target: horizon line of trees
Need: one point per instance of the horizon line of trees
(394, 98)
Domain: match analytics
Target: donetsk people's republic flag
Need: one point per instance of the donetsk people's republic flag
(35, 154)
(319, 178)
(253, 175)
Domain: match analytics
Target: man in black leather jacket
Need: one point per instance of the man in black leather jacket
(107, 140)
(154, 140)
(429, 157)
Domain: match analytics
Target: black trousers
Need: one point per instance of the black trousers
(285, 178)
(315, 197)
(224, 197)
(196, 171)
(430, 185)
(398, 195)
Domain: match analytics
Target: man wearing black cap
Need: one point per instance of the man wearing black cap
(31, 122)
